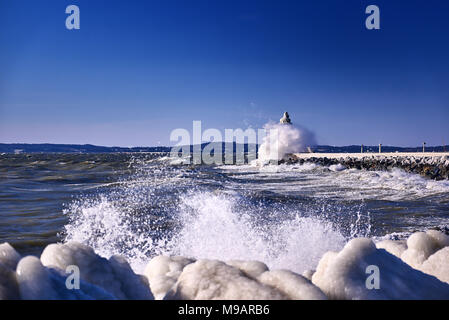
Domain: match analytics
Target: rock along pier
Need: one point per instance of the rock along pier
(434, 165)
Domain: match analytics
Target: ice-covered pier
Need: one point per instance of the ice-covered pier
(434, 165)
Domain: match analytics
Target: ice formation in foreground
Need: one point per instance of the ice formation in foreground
(414, 269)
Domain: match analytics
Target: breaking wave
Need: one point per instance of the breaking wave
(282, 139)
(206, 225)
(287, 216)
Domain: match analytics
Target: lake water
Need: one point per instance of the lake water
(140, 205)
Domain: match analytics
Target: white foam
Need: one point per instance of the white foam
(223, 224)
(256, 169)
(210, 225)
(337, 167)
(107, 228)
(215, 228)
(352, 184)
(282, 139)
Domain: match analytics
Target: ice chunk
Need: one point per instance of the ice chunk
(420, 246)
(9, 289)
(39, 283)
(438, 265)
(114, 275)
(344, 275)
(395, 247)
(163, 272)
(441, 239)
(134, 286)
(252, 269)
(212, 279)
(308, 274)
(8, 256)
(35, 281)
(292, 285)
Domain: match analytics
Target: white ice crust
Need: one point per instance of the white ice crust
(344, 275)
(414, 269)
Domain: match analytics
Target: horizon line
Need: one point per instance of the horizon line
(167, 146)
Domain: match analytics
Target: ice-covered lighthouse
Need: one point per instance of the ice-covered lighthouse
(285, 119)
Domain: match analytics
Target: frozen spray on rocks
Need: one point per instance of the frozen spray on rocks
(432, 166)
(414, 269)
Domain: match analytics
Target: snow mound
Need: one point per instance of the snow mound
(422, 245)
(345, 275)
(252, 269)
(215, 280)
(9, 289)
(9, 257)
(163, 272)
(39, 283)
(114, 275)
(241, 280)
(396, 248)
(414, 269)
(292, 285)
(438, 265)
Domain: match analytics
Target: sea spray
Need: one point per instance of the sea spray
(282, 139)
(286, 216)
(216, 227)
(206, 225)
(146, 207)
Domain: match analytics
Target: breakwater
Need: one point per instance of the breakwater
(432, 165)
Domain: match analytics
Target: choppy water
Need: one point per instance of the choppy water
(140, 205)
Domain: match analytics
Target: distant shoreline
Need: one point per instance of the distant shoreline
(88, 148)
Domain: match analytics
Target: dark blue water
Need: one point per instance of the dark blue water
(139, 205)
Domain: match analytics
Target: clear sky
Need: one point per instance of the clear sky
(138, 69)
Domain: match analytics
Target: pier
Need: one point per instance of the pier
(433, 165)
(371, 154)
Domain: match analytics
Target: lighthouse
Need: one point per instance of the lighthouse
(285, 119)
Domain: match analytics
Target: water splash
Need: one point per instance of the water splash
(282, 139)
(207, 225)
(303, 211)
(215, 227)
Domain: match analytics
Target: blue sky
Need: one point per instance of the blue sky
(138, 69)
